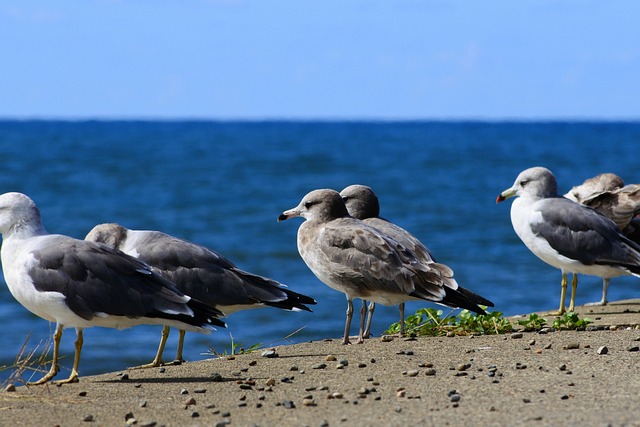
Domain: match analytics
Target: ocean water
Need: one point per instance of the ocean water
(223, 185)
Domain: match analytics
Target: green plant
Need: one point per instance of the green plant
(236, 348)
(429, 322)
(533, 323)
(571, 321)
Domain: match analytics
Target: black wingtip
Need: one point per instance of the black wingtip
(464, 298)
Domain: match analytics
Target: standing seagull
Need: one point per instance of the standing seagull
(200, 273)
(567, 235)
(362, 203)
(362, 262)
(82, 284)
(607, 195)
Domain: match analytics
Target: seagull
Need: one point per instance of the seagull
(601, 183)
(567, 235)
(607, 195)
(611, 198)
(200, 273)
(80, 284)
(362, 203)
(362, 262)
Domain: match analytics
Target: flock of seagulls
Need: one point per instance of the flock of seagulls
(362, 261)
(119, 278)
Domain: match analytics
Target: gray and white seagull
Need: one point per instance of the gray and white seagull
(199, 272)
(362, 262)
(362, 203)
(80, 284)
(567, 235)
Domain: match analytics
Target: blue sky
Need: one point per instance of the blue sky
(272, 59)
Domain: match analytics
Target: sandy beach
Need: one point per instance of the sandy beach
(586, 378)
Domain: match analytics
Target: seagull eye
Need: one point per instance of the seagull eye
(307, 205)
(523, 182)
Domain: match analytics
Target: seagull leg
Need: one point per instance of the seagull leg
(157, 361)
(563, 295)
(401, 308)
(178, 360)
(367, 329)
(73, 377)
(605, 288)
(57, 335)
(347, 325)
(363, 314)
(574, 288)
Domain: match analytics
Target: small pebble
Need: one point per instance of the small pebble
(343, 362)
(82, 393)
(148, 424)
(184, 391)
(330, 358)
(517, 335)
(455, 397)
(142, 404)
(270, 382)
(215, 377)
(633, 348)
(602, 350)
(10, 388)
(430, 372)
(194, 414)
(412, 373)
(253, 363)
(200, 390)
(362, 365)
(288, 404)
(88, 418)
(189, 402)
(308, 402)
(124, 377)
(337, 395)
(547, 347)
(293, 368)
(532, 342)
(162, 370)
(319, 366)
(571, 346)
(386, 338)
(269, 353)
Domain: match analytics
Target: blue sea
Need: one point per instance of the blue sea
(223, 185)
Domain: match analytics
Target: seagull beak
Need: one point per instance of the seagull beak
(505, 195)
(288, 214)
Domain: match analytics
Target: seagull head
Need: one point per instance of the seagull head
(322, 205)
(536, 183)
